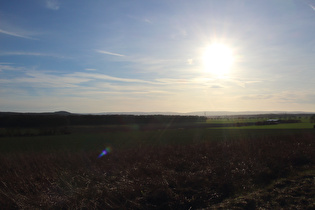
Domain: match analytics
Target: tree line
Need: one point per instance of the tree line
(54, 120)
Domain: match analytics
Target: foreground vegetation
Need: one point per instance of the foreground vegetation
(258, 123)
(292, 192)
(166, 169)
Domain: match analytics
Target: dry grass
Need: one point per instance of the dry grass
(164, 177)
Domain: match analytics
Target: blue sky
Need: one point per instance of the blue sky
(105, 55)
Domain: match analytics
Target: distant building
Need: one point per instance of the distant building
(273, 121)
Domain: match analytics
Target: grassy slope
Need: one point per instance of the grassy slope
(293, 192)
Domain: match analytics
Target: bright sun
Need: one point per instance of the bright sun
(218, 59)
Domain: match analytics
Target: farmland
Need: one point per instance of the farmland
(303, 123)
(165, 167)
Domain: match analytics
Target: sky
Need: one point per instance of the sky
(149, 55)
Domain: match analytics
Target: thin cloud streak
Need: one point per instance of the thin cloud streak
(52, 4)
(313, 7)
(8, 67)
(38, 79)
(106, 77)
(109, 53)
(30, 54)
(65, 80)
(145, 19)
(16, 35)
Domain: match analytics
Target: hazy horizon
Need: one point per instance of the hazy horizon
(157, 56)
(197, 113)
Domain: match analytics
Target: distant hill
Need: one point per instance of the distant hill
(62, 113)
(200, 113)
(36, 113)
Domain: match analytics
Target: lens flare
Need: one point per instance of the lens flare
(105, 151)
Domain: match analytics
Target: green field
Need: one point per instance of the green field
(278, 126)
(226, 120)
(92, 138)
(304, 124)
(242, 120)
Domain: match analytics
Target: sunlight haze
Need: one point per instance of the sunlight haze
(218, 59)
(167, 56)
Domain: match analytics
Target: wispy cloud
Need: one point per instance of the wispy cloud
(195, 80)
(10, 33)
(9, 67)
(190, 61)
(257, 96)
(127, 86)
(140, 19)
(30, 54)
(5, 63)
(52, 4)
(106, 77)
(40, 79)
(109, 53)
(48, 79)
(245, 81)
(313, 7)
(216, 86)
(158, 65)
(88, 69)
(147, 20)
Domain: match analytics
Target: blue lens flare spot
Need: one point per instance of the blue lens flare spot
(105, 151)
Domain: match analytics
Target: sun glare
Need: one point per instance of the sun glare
(218, 59)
